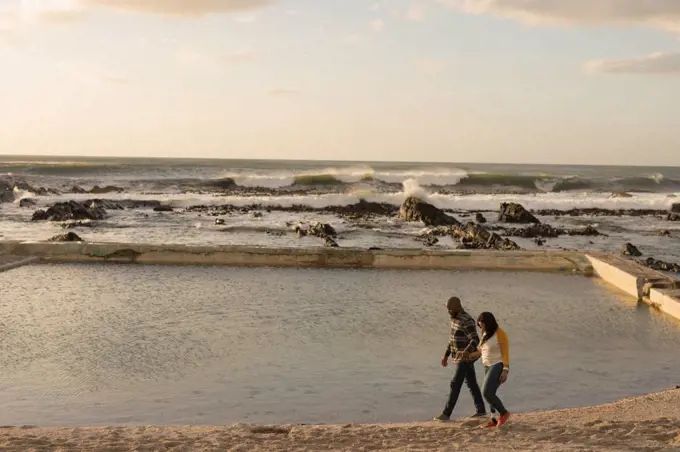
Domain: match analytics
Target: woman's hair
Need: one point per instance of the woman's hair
(490, 325)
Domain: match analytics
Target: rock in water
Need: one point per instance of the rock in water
(415, 209)
(330, 243)
(108, 189)
(6, 192)
(219, 221)
(673, 217)
(163, 209)
(481, 219)
(28, 202)
(473, 236)
(662, 266)
(515, 213)
(71, 210)
(631, 250)
(675, 208)
(68, 237)
(322, 230)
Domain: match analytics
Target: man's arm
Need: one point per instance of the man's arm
(470, 330)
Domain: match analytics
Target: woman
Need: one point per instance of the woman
(495, 353)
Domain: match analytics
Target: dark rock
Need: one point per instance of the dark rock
(414, 209)
(108, 189)
(631, 250)
(6, 192)
(473, 236)
(675, 208)
(322, 230)
(68, 237)
(76, 189)
(665, 233)
(539, 241)
(330, 243)
(597, 212)
(588, 231)
(219, 221)
(163, 208)
(535, 230)
(481, 219)
(515, 213)
(257, 214)
(673, 217)
(428, 240)
(77, 224)
(28, 202)
(70, 210)
(661, 265)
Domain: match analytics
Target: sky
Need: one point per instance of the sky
(517, 81)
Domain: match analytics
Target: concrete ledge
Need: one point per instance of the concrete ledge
(301, 257)
(11, 262)
(667, 301)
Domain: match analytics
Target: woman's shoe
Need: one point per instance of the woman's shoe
(492, 423)
(504, 419)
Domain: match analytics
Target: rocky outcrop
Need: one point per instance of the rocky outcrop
(330, 243)
(415, 209)
(515, 213)
(547, 231)
(474, 236)
(661, 265)
(597, 212)
(321, 230)
(28, 202)
(6, 192)
(71, 210)
(631, 250)
(108, 189)
(68, 237)
(480, 218)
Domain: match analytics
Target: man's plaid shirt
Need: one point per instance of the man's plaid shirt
(463, 336)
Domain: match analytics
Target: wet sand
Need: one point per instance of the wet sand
(646, 423)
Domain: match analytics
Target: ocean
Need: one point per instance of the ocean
(267, 198)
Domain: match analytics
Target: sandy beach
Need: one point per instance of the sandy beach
(645, 423)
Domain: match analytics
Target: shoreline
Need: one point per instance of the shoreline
(648, 422)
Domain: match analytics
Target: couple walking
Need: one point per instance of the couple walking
(464, 349)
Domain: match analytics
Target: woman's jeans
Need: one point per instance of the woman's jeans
(492, 381)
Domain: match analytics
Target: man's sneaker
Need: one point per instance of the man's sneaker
(504, 419)
(492, 423)
(442, 418)
(479, 415)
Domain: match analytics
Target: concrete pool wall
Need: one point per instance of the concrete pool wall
(657, 289)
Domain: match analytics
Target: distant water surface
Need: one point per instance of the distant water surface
(112, 345)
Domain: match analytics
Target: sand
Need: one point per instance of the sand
(646, 423)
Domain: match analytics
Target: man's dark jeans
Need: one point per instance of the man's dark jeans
(464, 371)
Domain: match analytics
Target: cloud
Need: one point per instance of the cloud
(353, 39)
(279, 92)
(378, 25)
(660, 63)
(246, 18)
(416, 11)
(186, 57)
(429, 65)
(186, 8)
(88, 74)
(664, 14)
(239, 56)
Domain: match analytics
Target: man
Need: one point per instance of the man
(463, 341)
